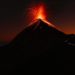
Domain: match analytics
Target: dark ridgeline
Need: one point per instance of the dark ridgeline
(40, 48)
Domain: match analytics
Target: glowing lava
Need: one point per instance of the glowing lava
(40, 13)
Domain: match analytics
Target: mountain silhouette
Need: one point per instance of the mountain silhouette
(38, 32)
(38, 47)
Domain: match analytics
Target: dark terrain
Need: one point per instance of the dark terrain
(38, 49)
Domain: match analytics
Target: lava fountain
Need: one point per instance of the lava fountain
(39, 13)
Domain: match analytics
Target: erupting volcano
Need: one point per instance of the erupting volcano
(39, 13)
(40, 45)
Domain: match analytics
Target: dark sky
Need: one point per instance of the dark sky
(15, 15)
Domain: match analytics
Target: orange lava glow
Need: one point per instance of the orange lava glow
(40, 13)
(48, 23)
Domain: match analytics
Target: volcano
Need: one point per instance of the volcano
(40, 45)
(38, 32)
(39, 37)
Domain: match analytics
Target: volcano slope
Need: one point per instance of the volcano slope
(38, 48)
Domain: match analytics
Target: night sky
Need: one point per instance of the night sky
(16, 14)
